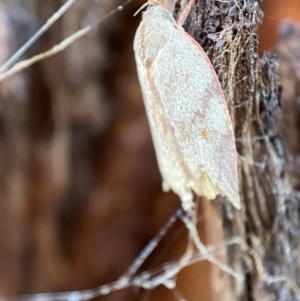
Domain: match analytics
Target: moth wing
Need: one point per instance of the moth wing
(189, 120)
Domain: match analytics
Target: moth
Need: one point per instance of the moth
(188, 115)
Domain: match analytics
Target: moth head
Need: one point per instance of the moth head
(167, 16)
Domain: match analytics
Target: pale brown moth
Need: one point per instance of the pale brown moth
(186, 108)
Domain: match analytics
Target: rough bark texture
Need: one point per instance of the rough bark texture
(79, 184)
(252, 89)
(269, 220)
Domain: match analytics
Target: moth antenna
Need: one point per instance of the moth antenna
(142, 7)
(149, 2)
(185, 12)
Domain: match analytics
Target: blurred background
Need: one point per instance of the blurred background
(80, 190)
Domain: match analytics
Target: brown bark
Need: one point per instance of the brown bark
(79, 184)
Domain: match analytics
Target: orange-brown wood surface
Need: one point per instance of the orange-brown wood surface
(276, 12)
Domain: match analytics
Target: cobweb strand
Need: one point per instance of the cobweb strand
(9, 68)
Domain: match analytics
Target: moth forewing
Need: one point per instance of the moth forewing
(187, 112)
